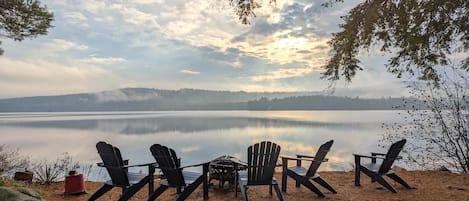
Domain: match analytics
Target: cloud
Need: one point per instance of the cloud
(185, 71)
(283, 49)
(289, 33)
(145, 2)
(283, 73)
(104, 60)
(63, 45)
(42, 77)
(76, 18)
(135, 16)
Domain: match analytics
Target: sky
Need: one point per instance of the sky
(98, 45)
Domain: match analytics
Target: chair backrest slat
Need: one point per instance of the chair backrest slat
(391, 156)
(112, 159)
(262, 158)
(169, 163)
(319, 157)
(261, 161)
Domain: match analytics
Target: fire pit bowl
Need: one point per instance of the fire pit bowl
(223, 169)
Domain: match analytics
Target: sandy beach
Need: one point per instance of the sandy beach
(427, 185)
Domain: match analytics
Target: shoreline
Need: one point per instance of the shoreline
(427, 185)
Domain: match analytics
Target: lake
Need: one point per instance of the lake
(196, 136)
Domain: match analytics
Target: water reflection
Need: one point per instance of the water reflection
(177, 124)
(196, 136)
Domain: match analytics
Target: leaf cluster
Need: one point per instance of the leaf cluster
(244, 9)
(20, 19)
(421, 34)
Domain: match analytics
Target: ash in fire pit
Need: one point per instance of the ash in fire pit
(223, 169)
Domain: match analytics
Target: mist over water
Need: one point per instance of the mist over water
(196, 136)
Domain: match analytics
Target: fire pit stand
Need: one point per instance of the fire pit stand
(223, 169)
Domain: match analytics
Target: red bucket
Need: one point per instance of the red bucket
(75, 184)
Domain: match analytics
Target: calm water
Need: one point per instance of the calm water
(196, 136)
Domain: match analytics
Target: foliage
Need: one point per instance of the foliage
(421, 33)
(438, 133)
(20, 19)
(245, 9)
(11, 160)
(47, 172)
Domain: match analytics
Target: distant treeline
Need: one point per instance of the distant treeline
(320, 102)
(142, 99)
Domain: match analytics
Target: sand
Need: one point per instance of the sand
(427, 185)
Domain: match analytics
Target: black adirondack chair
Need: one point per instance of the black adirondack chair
(302, 175)
(174, 175)
(376, 171)
(262, 159)
(120, 177)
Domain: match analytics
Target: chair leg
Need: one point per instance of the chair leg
(105, 188)
(244, 192)
(205, 187)
(358, 167)
(189, 189)
(323, 183)
(157, 192)
(151, 180)
(297, 183)
(270, 189)
(178, 190)
(357, 175)
(129, 192)
(311, 187)
(278, 192)
(378, 178)
(284, 180)
(399, 180)
(205, 181)
(383, 182)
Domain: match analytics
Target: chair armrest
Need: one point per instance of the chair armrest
(381, 154)
(194, 165)
(303, 156)
(365, 156)
(302, 159)
(154, 164)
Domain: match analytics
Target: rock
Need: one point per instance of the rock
(23, 176)
(8, 194)
(29, 192)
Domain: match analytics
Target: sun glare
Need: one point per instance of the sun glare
(292, 43)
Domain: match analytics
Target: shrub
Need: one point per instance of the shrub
(438, 126)
(11, 160)
(47, 172)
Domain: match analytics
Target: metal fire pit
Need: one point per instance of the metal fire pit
(223, 169)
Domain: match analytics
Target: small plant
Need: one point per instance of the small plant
(11, 160)
(47, 172)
